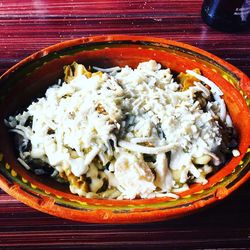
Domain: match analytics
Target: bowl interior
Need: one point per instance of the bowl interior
(31, 78)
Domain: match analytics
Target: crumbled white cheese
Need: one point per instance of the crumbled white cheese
(117, 117)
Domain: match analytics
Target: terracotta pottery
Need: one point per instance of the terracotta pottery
(30, 77)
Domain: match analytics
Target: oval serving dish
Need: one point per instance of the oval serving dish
(24, 81)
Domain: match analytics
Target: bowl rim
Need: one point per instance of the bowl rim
(102, 216)
(245, 84)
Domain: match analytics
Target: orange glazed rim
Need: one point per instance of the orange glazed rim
(20, 184)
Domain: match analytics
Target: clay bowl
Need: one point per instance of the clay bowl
(30, 77)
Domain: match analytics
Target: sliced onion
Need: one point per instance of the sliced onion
(216, 159)
(19, 131)
(145, 150)
(142, 139)
(202, 88)
(223, 110)
(107, 69)
(229, 121)
(214, 87)
(24, 164)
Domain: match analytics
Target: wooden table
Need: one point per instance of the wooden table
(29, 25)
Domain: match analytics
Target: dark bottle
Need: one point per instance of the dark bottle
(227, 15)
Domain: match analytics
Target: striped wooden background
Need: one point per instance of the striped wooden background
(29, 25)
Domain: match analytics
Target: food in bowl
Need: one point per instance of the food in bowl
(123, 133)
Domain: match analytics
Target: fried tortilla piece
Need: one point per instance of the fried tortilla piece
(187, 80)
(77, 182)
(74, 70)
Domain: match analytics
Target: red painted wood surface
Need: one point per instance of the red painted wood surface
(29, 25)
